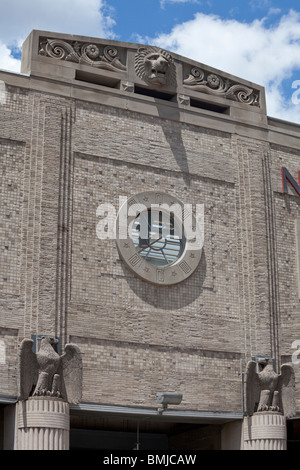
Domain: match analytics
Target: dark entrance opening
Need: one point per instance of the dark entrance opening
(293, 434)
(96, 432)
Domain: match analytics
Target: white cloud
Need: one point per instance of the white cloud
(274, 11)
(18, 18)
(260, 4)
(261, 54)
(7, 62)
(164, 2)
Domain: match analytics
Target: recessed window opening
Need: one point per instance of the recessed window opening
(154, 93)
(97, 79)
(209, 106)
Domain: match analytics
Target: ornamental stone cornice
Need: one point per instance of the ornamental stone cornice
(139, 70)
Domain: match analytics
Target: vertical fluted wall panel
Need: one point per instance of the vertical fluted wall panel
(43, 423)
(265, 431)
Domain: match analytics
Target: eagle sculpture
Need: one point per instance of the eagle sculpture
(268, 391)
(45, 373)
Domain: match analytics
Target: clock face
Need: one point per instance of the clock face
(162, 245)
(153, 243)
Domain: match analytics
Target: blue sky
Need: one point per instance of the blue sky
(256, 40)
(151, 18)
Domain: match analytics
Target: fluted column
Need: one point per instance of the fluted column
(43, 423)
(265, 431)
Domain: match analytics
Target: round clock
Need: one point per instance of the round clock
(153, 237)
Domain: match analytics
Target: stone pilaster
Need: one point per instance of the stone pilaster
(43, 423)
(265, 431)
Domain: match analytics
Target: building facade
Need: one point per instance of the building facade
(88, 126)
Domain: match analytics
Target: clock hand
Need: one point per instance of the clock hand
(157, 240)
(164, 256)
(149, 246)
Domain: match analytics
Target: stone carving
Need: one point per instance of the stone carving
(267, 391)
(45, 373)
(213, 84)
(155, 66)
(82, 53)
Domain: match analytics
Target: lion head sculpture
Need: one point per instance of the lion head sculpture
(155, 66)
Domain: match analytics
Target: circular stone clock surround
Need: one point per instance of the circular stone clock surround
(188, 256)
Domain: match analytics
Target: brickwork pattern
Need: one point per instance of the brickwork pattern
(135, 372)
(64, 158)
(287, 208)
(207, 310)
(8, 359)
(11, 193)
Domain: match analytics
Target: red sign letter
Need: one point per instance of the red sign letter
(287, 178)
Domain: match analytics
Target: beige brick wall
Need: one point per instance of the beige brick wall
(69, 156)
(218, 308)
(287, 211)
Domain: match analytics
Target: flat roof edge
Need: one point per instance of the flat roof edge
(168, 414)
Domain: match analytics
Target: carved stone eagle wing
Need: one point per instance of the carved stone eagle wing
(286, 388)
(252, 388)
(71, 370)
(27, 369)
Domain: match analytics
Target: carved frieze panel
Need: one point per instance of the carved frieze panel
(101, 57)
(154, 66)
(214, 84)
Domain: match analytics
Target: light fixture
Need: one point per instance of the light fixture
(168, 398)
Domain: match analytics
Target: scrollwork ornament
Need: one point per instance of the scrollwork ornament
(214, 84)
(244, 94)
(214, 81)
(89, 54)
(196, 76)
(84, 53)
(58, 49)
(197, 73)
(110, 53)
(92, 51)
